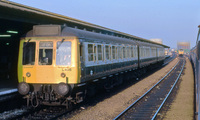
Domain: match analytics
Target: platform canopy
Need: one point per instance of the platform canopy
(21, 18)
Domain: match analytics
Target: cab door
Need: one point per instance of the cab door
(45, 68)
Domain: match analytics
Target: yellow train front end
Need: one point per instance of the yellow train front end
(48, 69)
(180, 52)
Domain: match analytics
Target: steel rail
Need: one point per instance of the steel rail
(145, 93)
(169, 92)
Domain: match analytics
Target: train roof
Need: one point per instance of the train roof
(68, 31)
(60, 30)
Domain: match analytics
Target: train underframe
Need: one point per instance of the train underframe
(47, 94)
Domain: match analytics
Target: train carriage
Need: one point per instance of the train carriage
(195, 60)
(59, 64)
(150, 54)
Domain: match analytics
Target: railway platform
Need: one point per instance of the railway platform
(182, 107)
(7, 86)
(6, 91)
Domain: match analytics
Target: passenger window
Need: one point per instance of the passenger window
(147, 52)
(154, 52)
(124, 52)
(141, 52)
(116, 56)
(107, 52)
(144, 52)
(110, 55)
(95, 53)
(129, 52)
(132, 52)
(136, 51)
(99, 52)
(158, 51)
(120, 52)
(113, 52)
(90, 52)
(103, 53)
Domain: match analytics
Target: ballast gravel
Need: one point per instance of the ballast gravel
(109, 108)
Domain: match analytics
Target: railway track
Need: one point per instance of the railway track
(168, 60)
(30, 113)
(47, 113)
(12, 108)
(11, 101)
(148, 105)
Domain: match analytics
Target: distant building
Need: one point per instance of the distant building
(184, 45)
(157, 40)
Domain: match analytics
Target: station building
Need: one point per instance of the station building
(184, 45)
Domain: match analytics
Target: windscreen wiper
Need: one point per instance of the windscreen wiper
(27, 43)
(60, 43)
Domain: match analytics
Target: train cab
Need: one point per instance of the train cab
(48, 64)
(180, 52)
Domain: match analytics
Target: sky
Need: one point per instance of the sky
(170, 20)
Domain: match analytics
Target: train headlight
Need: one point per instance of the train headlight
(23, 88)
(62, 89)
(28, 74)
(63, 75)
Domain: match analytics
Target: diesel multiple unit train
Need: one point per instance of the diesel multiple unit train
(195, 60)
(180, 52)
(60, 65)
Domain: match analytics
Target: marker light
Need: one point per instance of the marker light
(28, 74)
(9, 31)
(5, 35)
(63, 75)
